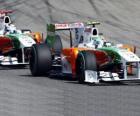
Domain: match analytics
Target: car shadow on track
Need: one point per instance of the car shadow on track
(70, 80)
(13, 67)
(59, 78)
(109, 84)
(75, 81)
(102, 83)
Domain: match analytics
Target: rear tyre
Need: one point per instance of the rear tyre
(57, 46)
(40, 60)
(85, 61)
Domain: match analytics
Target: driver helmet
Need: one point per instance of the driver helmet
(97, 41)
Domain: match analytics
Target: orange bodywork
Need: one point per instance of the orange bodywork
(71, 56)
(5, 44)
(72, 53)
(129, 47)
(37, 36)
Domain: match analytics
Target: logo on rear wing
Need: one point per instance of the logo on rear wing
(65, 26)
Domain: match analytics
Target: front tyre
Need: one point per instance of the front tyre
(40, 60)
(85, 61)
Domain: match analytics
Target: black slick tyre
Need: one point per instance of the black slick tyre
(40, 60)
(85, 61)
(57, 46)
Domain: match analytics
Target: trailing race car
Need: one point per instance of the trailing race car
(15, 44)
(90, 58)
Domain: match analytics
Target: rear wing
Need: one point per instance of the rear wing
(68, 26)
(5, 12)
(78, 27)
(51, 28)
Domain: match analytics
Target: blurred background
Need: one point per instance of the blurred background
(120, 20)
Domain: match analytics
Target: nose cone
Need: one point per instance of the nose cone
(129, 56)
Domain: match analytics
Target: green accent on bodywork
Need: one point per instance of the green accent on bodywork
(15, 41)
(113, 52)
(50, 39)
(50, 28)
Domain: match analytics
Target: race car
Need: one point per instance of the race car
(15, 44)
(90, 58)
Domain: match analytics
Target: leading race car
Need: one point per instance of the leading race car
(90, 58)
(15, 44)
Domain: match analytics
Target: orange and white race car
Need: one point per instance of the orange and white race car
(90, 58)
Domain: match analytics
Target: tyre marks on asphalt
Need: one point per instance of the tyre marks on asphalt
(120, 19)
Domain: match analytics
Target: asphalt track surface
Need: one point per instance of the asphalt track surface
(24, 95)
